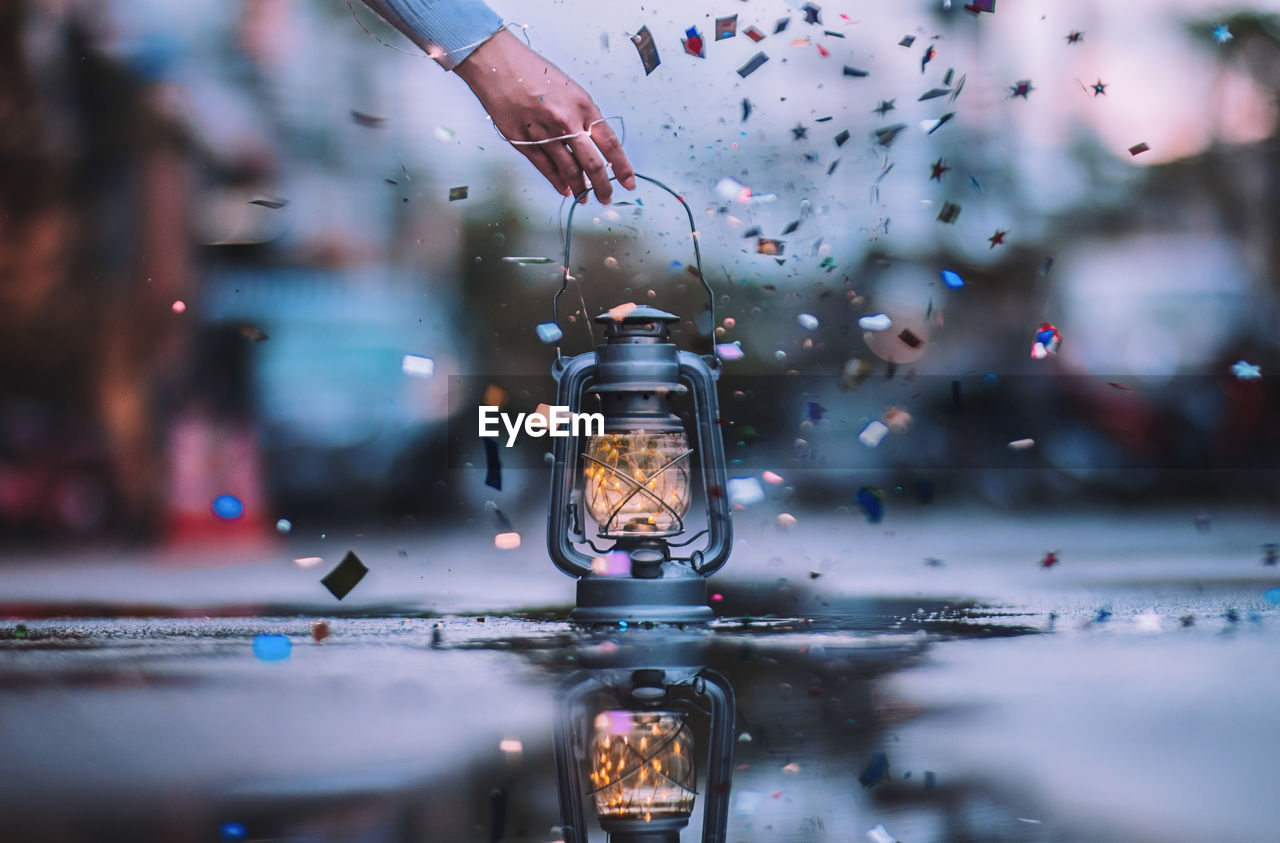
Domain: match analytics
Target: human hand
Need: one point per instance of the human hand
(530, 99)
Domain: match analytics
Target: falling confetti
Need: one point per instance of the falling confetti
(856, 73)
(549, 332)
(274, 203)
(693, 44)
(726, 27)
(648, 51)
(873, 433)
(744, 491)
(457, 193)
(754, 34)
(886, 135)
(1075, 37)
(880, 834)
(1021, 444)
(1021, 88)
(269, 647)
(346, 576)
(767, 246)
(729, 350)
(907, 41)
(307, 561)
(417, 366)
(875, 322)
(931, 126)
(872, 503)
(938, 169)
(933, 94)
(876, 771)
(883, 108)
(753, 65)
(227, 507)
(527, 260)
(808, 321)
(493, 464)
(284, 525)
(1221, 33)
(1099, 88)
(997, 239)
(949, 212)
(1047, 341)
(929, 53)
(1138, 148)
(952, 280)
(979, 6)
(1050, 559)
(786, 520)
(179, 306)
(507, 541)
(771, 478)
(621, 311)
(367, 120)
(1246, 371)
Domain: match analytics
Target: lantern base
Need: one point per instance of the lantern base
(665, 830)
(667, 599)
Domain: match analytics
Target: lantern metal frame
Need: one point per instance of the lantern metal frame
(652, 674)
(638, 369)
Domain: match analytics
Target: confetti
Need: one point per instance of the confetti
(799, 132)
(744, 491)
(320, 630)
(880, 834)
(227, 507)
(647, 50)
(855, 72)
(179, 306)
(1047, 341)
(493, 464)
(494, 395)
(872, 503)
(549, 332)
(949, 212)
(753, 65)
(1075, 37)
(746, 109)
(284, 525)
(771, 478)
(896, 419)
(729, 350)
(883, 108)
(726, 27)
(367, 120)
(952, 280)
(621, 311)
(808, 321)
(693, 44)
(507, 541)
(1221, 33)
(1050, 559)
(232, 832)
(781, 25)
(346, 576)
(997, 239)
(786, 520)
(1021, 88)
(269, 647)
(875, 322)
(1138, 149)
(754, 34)
(876, 771)
(1246, 371)
(936, 171)
(791, 768)
(766, 246)
(1021, 444)
(929, 53)
(274, 204)
(1099, 88)
(842, 138)
(812, 13)
(907, 41)
(307, 561)
(253, 333)
(933, 94)
(417, 366)
(910, 339)
(814, 412)
(886, 135)
(457, 193)
(510, 745)
(526, 260)
(873, 434)
(980, 6)
(931, 126)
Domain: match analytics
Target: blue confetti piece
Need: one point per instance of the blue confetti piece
(270, 647)
(877, 770)
(549, 332)
(871, 504)
(952, 279)
(233, 831)
(1045, 337)
(814, 412)
(227, 507)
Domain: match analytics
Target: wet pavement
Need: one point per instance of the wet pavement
(927, 675)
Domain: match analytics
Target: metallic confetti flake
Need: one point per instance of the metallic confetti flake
(950, 211)
(754, 34)
(693, 44)
(842, 138)
(753, 65)
(456, 193)
(648, 51)
(417, 366)
(1138, 148)
(886, 135)
(346, 576)
(855, 72)
(227, 507)
(726, 27)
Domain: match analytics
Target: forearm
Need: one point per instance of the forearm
(447, 30)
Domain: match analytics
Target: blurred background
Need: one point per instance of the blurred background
(225, 225)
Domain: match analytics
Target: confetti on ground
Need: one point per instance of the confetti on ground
(269, 647)
(368, 120)
(418, 366)
(227, 507)
(507, 541)
(744, 491)
(179, 306)
(693, 44)
(726, 27)
(875, 322)
(872, 503)
(648, 51)
(320, 630)
(1050, 559)
(753, 65)
(949, 212)
(729, 350)
(1246, 371)
(876, 771)
(346, 576)
(493, 464)
(952, 280)
(284, 525)
(274, 203)
(873, 433)
(1138, 149)
(307, 561)
(879, 834)
(1047, 341)
(1021, 444)
(526, 260)
(808, 321)
(457, 193)
(786, 520)
(549, 332)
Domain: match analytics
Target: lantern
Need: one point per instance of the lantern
(631, 485)
(625, 741)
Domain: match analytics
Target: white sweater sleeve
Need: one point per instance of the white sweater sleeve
(447, 30)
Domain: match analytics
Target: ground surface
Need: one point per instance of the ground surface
(1127, 693)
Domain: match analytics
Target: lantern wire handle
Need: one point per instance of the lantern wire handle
(697, 257)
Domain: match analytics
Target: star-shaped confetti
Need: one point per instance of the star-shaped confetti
(1021, 88)
(1099, 88)
(812, 13)
(1075, 36)
(939, 167)
(884, 107)
(997, 239)
(1221, 34)
(799, 132)
(1246, 371)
